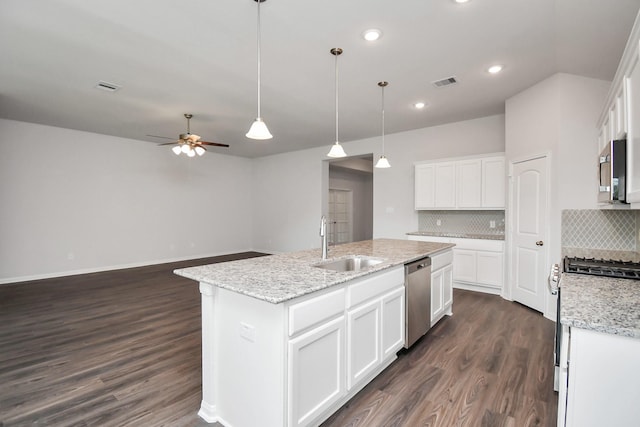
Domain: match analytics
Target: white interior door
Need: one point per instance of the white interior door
(530, 221)
(340, 216)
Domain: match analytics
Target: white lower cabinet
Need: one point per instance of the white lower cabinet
(393, 322)
(489, 268)
(316, 371)
(363, 341)
(339, 341)
(478, 264)
(465, 261)
(600, 384)
(441, 286)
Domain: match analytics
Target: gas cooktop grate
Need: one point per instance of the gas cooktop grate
(600, 267)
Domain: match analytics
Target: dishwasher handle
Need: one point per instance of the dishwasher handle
(417, 265)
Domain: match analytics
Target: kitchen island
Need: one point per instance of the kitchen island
(600, 350)
(286, 343)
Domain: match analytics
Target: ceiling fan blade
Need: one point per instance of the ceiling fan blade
(217, 144)
(158, 136)
(170, 143)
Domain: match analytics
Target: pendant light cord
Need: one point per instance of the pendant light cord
(383, 120)
(259, 36)
(337, 97)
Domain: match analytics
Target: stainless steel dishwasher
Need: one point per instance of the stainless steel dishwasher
(417, 283)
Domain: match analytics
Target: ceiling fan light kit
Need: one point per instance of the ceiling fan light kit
(336, 149)
(258, 129)
(189, 143)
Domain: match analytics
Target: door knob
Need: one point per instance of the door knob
(539, 243)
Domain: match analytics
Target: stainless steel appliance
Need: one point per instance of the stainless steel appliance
(612, 173)
(418, 299)
(591, 266)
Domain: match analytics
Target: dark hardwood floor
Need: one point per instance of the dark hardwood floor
(489, 365)
(122, 348)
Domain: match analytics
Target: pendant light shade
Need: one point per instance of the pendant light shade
(336, 149)
(383, 163)
(259, 128)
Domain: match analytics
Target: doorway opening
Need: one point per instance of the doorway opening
(349, 199)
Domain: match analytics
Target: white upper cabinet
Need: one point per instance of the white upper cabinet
(445, 188)
(493, 182)
(477, 183)
(620, 117)
(425, 195)
(469, 183)
(633, 136)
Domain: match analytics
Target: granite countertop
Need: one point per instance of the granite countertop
(458, 235)
(601, 304)
(281, 277)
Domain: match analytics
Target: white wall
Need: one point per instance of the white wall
(558, 116)
(288, 188)
(75, 201)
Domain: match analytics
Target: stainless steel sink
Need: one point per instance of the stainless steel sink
(350, 263)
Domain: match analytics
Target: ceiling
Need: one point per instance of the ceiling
(199, 57)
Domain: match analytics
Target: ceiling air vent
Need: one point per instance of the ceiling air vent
(109, 87)
(445, 82)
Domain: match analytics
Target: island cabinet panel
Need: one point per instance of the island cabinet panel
(316, 371)
(313, 311)
(393, 322)
(364, 350)
(441, 286)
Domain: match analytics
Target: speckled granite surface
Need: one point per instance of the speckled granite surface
(458, 235)
(601, 304)
(278, 278)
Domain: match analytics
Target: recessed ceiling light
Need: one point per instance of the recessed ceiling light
(462, 1)
(494, 69)
(372, 35)
(419, 105)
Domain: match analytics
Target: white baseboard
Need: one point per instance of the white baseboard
(52, 275)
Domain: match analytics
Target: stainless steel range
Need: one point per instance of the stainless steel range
(602, 267)
(591, 266)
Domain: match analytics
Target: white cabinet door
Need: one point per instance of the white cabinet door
(363, 341)
(445, 185)
(469, 183)
(425, 176)
(489, 269)
(464, 265)
(633, 138)
(316, 371)
(437, 295)
(393, 319)
(493, 182)
(447, 287)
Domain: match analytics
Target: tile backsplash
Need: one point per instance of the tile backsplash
(601, 229)
(472, 222)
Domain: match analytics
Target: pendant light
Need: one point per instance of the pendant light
(382, 161)
(336, 149)
(259, 129)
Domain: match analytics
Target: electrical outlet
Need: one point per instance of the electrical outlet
(248, 332)
(438, 222)
(492, 224)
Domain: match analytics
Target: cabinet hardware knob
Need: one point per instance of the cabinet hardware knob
(539, 243)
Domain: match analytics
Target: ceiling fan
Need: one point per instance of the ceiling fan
(188, 143)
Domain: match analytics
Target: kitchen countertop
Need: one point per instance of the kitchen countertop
(601, 304)
(458, 235)
(281, 277)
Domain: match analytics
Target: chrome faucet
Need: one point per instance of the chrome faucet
(323, 234)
